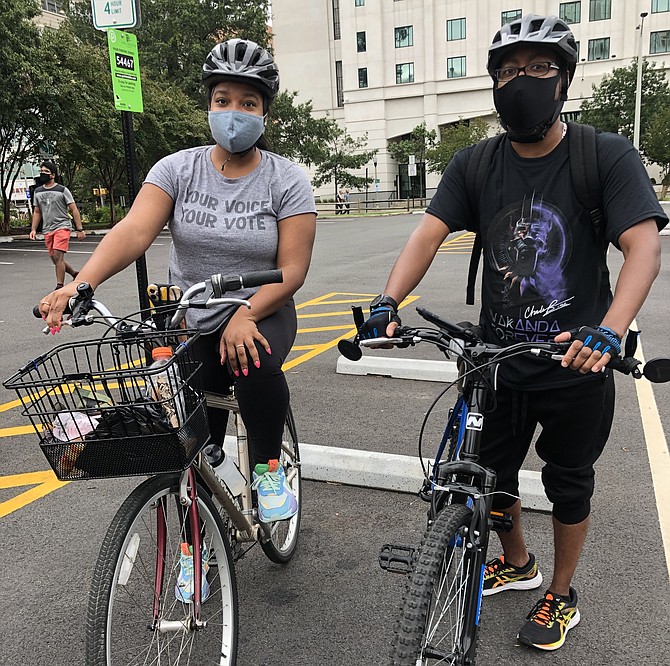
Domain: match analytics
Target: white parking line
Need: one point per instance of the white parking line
(657, 450)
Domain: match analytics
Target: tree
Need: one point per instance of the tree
(452, 139)
(657, 145)
(294, 133)
(26, 95)
(612, 107)
(341, 154)
(176, 35)
(418, 143)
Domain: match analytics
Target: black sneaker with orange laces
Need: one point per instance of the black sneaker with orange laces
(549, 621)
(500, 576)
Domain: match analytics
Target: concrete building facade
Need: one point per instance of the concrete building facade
(382, 67)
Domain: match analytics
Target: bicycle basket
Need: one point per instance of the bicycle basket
(100, 411)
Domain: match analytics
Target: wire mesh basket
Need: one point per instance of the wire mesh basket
(102, 408)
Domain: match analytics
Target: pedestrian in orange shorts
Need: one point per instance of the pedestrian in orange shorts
(53, 203)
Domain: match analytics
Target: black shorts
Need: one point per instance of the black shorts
(575, 422)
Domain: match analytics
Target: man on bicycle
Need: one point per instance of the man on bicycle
(543, 280)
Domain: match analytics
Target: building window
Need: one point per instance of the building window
(570, 12)
(658, 6)
(455, 67)
(509, 16)
(404, 36)
(338, 83)
(360, 42)
(54, 6)
(404, 73)
(363, 77)
(599, 49)
(336, 19)
(359, 3)
(455, 29)
(659, 42)
(600, 10)
(578, 49)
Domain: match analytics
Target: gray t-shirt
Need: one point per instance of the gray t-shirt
(226, 225)
(53, 203)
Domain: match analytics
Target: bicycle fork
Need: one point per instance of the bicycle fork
(189, 500)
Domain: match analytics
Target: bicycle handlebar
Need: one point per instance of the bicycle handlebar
(471, 345)
(200, 295)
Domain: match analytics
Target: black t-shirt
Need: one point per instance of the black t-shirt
(542, 261)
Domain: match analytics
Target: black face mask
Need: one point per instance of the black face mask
(527, 107)
(44, 178)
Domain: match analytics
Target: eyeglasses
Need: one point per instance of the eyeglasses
(535, 69)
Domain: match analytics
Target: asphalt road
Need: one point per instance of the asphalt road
(332, 604)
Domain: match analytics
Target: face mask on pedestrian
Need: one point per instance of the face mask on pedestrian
(527, 107)
(44, 178)
(236, 131)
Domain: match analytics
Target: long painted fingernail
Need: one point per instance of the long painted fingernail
(268, 350)
(257, 364)
(237, 373)
(245, 372)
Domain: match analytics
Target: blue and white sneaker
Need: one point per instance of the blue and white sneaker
(183, 590)
(276, 501)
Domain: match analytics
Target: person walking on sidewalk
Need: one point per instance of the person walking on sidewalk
(52, 203)
(543, 280)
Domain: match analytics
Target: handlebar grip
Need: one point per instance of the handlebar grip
(246, 280)
(38, 315)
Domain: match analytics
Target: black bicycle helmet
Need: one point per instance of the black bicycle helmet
(244, 61)
(548, 31)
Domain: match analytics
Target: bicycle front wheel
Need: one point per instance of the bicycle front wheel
(433, 624)
(136, 612)
(284, 533)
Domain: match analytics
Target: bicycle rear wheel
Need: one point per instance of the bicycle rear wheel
(120, 627)
(284, 533)
(432, 626)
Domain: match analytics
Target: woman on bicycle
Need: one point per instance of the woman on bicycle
(231, 208)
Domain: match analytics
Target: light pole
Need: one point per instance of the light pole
(374, 162)
(638, 87)
(366, 189)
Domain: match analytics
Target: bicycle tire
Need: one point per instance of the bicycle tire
(423, 635)
(283, 542)
(120, 607)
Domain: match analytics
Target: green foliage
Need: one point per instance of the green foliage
(453, 138)
(657, 145)
(294, 133)
(340, 155)
(103, 217)
(25, 93)
(420, 141)
(176, 35)
(612, 107)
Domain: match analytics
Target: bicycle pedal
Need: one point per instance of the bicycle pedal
(501, 522)
(396, 559)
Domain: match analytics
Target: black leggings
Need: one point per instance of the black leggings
(576, 422)
(263, 394)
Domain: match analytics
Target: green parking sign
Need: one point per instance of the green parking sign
(125, 64)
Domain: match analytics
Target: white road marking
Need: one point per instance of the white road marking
(657, 450)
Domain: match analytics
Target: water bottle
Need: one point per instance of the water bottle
(225, 469)
(165, 387)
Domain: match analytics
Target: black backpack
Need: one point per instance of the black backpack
(585, 181)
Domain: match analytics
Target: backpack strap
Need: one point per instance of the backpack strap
(584, 170)
(475, 175)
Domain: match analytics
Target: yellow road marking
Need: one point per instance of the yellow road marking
(318, 329)
(42, 484)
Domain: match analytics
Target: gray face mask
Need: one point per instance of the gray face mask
(236, 131)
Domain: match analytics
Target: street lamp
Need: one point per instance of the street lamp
(374, 162)
(638, 87)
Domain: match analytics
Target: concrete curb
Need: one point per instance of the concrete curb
(11, 239)
(399, 368)
(384, 471)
